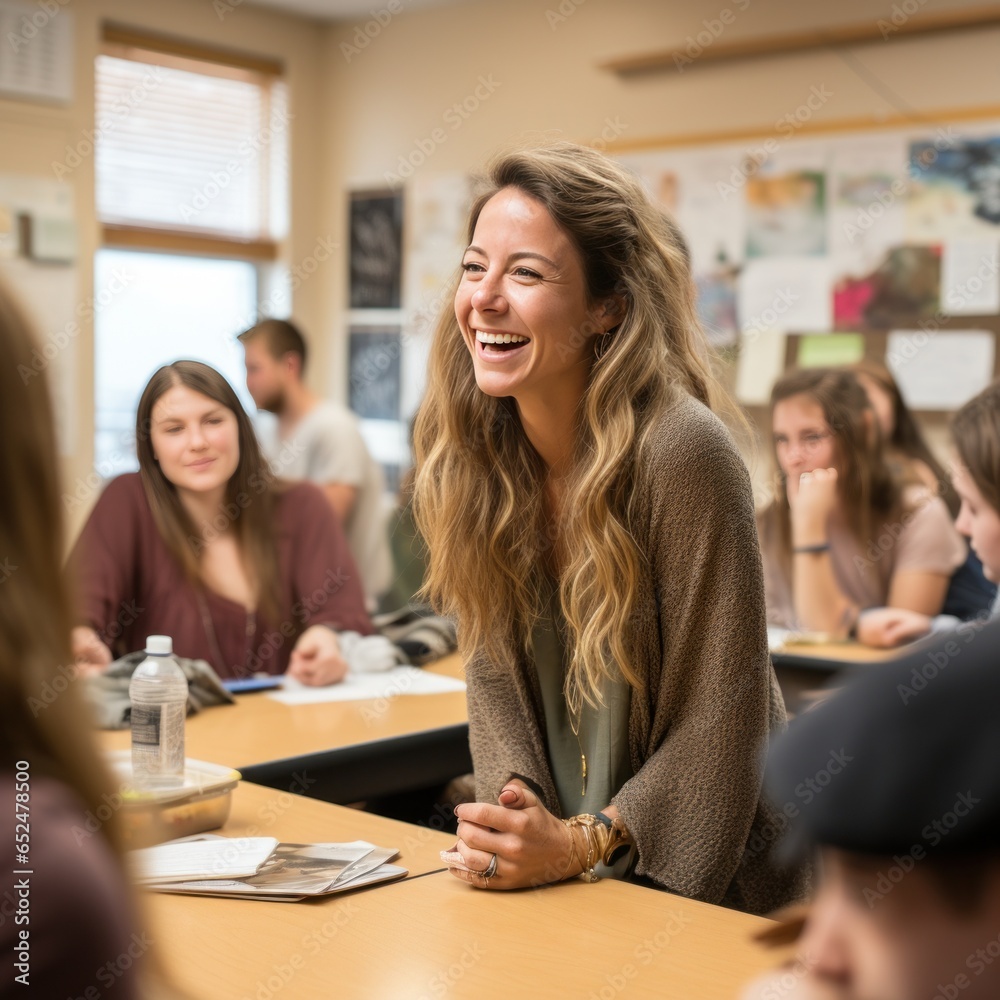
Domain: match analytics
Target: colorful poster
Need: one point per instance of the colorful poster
(956, 188)
(786, 214)
(717, 293)
(906, 284)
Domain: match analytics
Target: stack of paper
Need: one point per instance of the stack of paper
(285, 873)
(208, 858)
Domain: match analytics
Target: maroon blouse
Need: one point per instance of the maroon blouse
(130, 586)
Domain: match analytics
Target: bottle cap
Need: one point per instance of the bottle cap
(159, 645)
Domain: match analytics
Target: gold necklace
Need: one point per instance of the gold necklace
(575, 720)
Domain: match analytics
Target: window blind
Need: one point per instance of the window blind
(189, 145)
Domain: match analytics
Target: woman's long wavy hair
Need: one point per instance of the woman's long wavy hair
(868, 491)
(249, 502)
(480, 485)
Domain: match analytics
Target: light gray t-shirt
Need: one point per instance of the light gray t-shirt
(326, 447)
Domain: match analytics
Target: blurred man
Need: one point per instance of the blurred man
(319, 441)
(897, 782)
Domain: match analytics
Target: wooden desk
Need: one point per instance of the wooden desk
(351, 750)
(434, 936)
(827, 657)
(804, 669)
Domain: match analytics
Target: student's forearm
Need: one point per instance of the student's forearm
(819, 604)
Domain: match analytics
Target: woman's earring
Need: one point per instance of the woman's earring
(603, 342)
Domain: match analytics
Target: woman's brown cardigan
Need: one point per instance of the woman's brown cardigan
(698, 736)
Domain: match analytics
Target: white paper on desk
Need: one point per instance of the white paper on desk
(219, 858)
(361, 687)
(969, 281)
(940, 370)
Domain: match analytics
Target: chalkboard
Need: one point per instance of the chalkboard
(374, 390)
(376, 222)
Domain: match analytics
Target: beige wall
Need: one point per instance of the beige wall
(398, 88)
(543, 57)
(355, 118)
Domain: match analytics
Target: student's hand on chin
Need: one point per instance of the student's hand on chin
(886, 627)
(90, 654)
(316, 658)
(813, 498)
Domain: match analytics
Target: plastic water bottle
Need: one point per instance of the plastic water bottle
(158, 692)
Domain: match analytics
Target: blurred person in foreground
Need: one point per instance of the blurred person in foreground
(896, 782)
(67, 920)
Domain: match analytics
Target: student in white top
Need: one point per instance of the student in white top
(975, 474)
(319, 441)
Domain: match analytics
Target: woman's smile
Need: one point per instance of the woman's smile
(494, 345)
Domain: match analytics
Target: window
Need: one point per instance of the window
(161, 308)
(191, 190)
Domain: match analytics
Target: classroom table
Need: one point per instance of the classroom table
(829, 657)
(805, 669)
(351, 750)
(435, 936)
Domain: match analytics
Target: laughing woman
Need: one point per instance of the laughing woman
(591, 526)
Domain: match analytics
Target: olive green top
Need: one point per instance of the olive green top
(602, 734)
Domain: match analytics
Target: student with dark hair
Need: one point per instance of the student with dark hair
(895, 782)
(842, 534)
(203, 544)
(319, 441)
